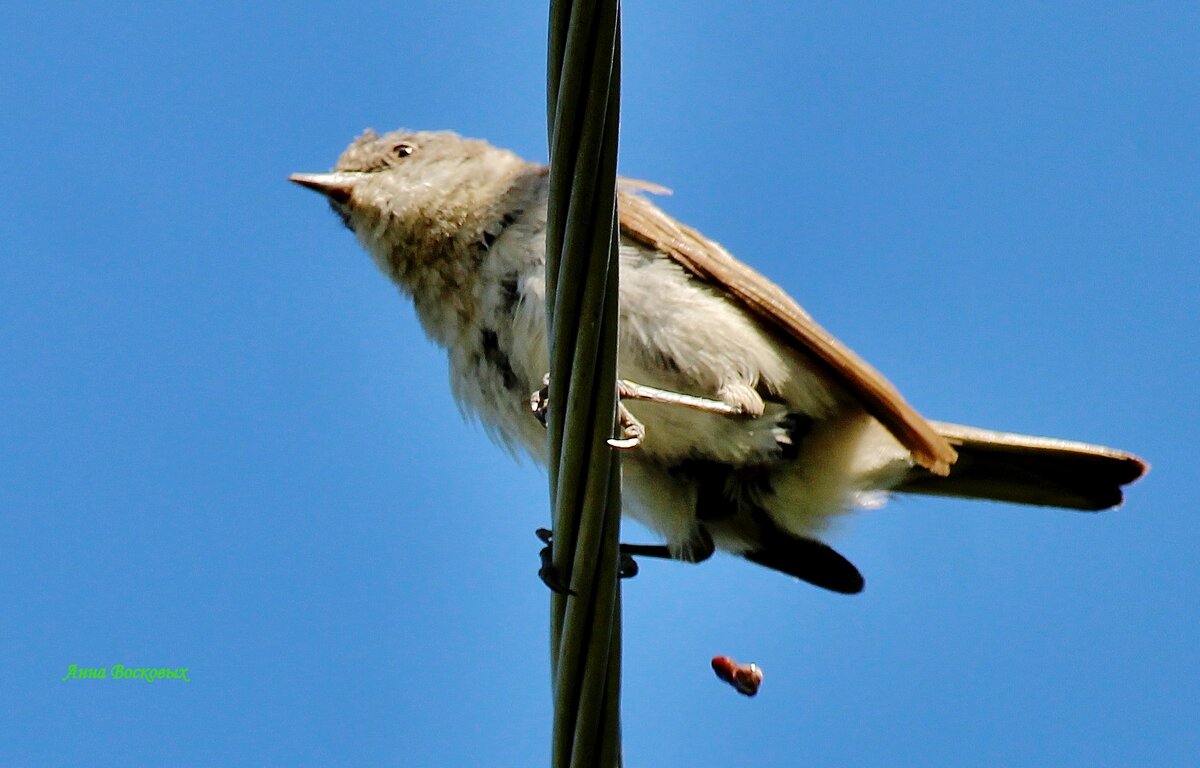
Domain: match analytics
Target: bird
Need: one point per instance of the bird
(815, 432)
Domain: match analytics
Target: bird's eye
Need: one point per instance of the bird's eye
(403, 150)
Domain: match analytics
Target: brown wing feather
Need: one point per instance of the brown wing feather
(643, 222)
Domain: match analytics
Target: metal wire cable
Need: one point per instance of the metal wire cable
(583, 98)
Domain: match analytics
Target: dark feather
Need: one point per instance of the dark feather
(1029, 470)
(809, 560)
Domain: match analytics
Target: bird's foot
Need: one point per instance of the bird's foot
(539, 402)
(547, 572)
(633, 432)
(628, 567)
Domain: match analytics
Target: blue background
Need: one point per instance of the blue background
(226, 445)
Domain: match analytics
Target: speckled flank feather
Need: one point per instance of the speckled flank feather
(459, 226)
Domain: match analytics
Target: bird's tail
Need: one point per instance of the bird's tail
(1028, 470)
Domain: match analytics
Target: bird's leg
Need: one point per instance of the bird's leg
(629, 390)
(697, 552)
(632, 430)
(699, 548)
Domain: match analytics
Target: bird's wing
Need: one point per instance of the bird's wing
(643, 222)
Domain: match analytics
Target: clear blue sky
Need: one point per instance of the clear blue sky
(225, 444)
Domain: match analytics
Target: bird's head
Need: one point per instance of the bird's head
(411, 196)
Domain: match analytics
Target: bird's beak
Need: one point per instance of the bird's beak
(337, 186)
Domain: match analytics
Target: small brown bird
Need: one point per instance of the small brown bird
(459, 226)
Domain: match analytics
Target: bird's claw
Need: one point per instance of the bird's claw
(539, 402)
(632, 430)
(547, 572)
(627, 569)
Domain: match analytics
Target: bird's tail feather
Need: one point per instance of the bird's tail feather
(1028, 470)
